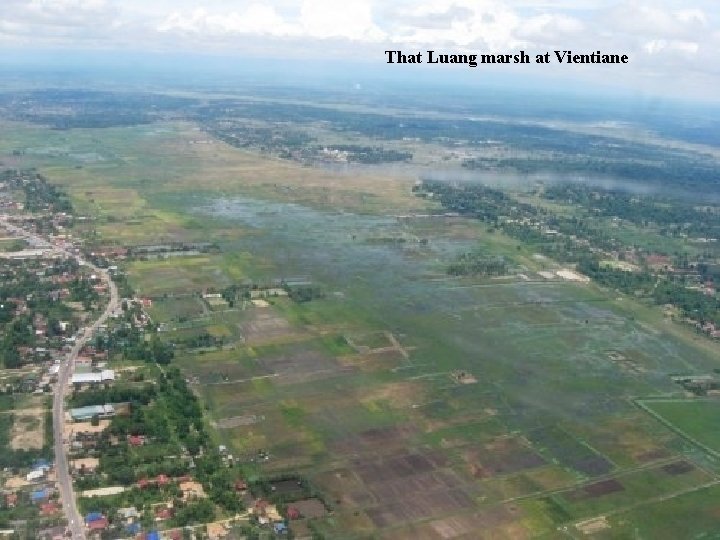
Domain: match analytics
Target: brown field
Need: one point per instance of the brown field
(266, 326)
(679, 467)
(28, 429)
(504, 455)
(310, 508)
(596, 489)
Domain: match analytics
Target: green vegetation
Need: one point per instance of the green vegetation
(696, 419)
(354, 396)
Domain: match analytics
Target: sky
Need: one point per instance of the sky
(672, 44)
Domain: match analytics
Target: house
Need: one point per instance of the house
(136, 440)
(162, 479)
(11, 500)
(93, 516)
(83, 414)
(84, 466)
(98, 377)
(83, 362)
(35, 475)
(280, 528)
(98, 524)
(52, 533)
(162, 513)
(191, 490)
(266, 512)
(49, 508)
(128, 513)
(39, 496)
(241, 485)
(41, 464)
(215, 531)
(293, 513)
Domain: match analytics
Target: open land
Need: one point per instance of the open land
(419, 405)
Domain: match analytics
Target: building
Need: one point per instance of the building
(39, 496)
(35, 475)
(52, 533)
(84, 465)
(128, 514)
(83, 414)
(191, 490)
(136, 440)
(106, 375)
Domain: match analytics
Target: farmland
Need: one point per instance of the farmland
(417, 404)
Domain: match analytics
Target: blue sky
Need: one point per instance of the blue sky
(673, 45)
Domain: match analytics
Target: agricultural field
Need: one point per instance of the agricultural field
(697, 420)
(418, 404)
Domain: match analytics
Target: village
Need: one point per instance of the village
(140, 462)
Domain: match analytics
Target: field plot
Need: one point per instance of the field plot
(698, 420)
(223, 367)
(176, 308)
(177, 275)
(634, 488)
(27, 413)
(28, 430)
(659, 519)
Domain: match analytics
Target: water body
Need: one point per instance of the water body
(523, 337)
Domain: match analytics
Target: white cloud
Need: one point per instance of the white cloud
(318, 19)
(657, 46)
(349, 19)
(256, 19)
(668, 38)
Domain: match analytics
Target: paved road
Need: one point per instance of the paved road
(64, 481)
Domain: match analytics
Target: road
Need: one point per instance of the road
(64, 481)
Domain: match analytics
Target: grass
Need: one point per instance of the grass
(697, 419)
(177, 275)
(665, 519)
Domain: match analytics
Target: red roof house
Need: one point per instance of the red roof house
(136, 440)
(98, 524)
(293, 513)
(163, 513)
(240, 485)
(48, 509)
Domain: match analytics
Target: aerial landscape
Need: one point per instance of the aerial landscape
(251, 304)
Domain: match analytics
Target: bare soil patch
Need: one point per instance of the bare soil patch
(679, 467)
(266, 326)
(28, 430)
(592, 526)
(310, 508)
(596, 489)
(302, 365)
(504, 455)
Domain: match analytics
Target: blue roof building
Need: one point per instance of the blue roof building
(93, 516)
(38, 495)
(41, 464)
(153, 535)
